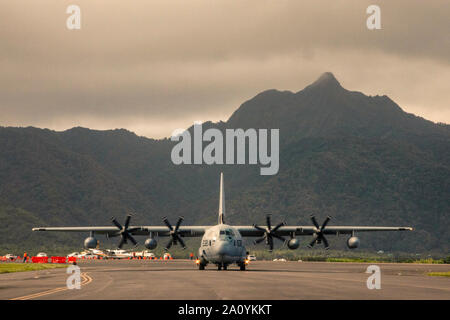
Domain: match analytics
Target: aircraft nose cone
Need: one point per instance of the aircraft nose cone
(222, 249)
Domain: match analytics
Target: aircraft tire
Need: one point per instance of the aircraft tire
(242, 267)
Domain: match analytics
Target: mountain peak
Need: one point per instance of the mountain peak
(327, 79)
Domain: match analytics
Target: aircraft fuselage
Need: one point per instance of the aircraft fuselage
(222, 245)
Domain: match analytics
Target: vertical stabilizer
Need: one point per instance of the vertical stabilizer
(221, 201)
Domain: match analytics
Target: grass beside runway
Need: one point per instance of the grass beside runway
(21, 267)
(439, 274)
(369, 260)
(346, 256)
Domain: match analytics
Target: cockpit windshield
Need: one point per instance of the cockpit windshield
(226, 234)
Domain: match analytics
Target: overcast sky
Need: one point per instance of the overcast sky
(154, 66)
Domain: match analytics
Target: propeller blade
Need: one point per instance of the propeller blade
(268, 222)
(314, 221)
(131, 238)
(312, 243)
(122, 241)
(270, 240)
(269, 233)
(127, 221)
(278, 226)
(178, 223)
(166, 221)
(324, 224)
(259, 228)
(181, 242)
(117, 224)
(259, 240)
(174, 234)
(169, 244)
(325, 243)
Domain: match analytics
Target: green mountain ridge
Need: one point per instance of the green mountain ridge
(360, 159)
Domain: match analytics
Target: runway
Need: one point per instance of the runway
(180, 279)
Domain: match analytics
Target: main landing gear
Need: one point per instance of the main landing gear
(201, 263)
(220, 267)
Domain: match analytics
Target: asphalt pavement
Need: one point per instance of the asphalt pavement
(181, 279)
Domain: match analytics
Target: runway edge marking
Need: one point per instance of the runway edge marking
(86, 280)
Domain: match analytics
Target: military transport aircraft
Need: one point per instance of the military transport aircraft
(222, 244)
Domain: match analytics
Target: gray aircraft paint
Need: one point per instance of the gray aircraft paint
(222, 244)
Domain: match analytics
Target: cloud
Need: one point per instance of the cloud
(154, 66)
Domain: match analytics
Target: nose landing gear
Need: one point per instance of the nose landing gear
(222, 266)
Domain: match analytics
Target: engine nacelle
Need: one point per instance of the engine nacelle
(150, 243)
(353, 242)
(90, 243)
(293, 244)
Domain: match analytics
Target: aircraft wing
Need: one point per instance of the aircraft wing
(251, 231)
(177, 232)
(245, 231)
(162, 231)
(97, 230)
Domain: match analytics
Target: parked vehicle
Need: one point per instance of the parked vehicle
(73, 254)
(281, 259)
(10, 256)
(87, 255)
(144, 254)
(119, 254)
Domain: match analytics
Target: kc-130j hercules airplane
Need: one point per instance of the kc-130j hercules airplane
(222, 244)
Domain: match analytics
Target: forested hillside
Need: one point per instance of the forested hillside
(358, 158)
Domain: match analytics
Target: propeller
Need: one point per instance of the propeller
(318, 235)
(269, 233)
(175, 237)
(124, 231)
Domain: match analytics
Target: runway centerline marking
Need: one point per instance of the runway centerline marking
(86, 280)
